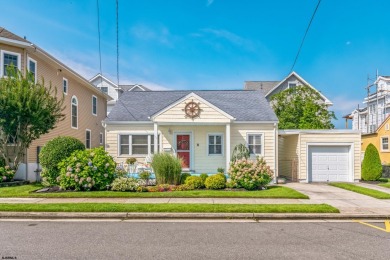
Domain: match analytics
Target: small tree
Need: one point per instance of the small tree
(371, 166)
(27, 111)
(240, 151)
(301, 108)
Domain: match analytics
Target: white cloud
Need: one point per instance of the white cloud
(209, 2)
(149, 84)
(345, 104)
(160, 34)
(227, 36)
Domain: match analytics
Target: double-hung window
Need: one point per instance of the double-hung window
(136, 144)
(94, 105)
(88, 139)
(9, 60)
(32, 68)
(254, 142)
(215, 144)
(74, 112)
(65, 86)
(385, 143)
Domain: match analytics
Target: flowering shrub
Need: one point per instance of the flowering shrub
(124, 184)
(195, 182)
(215, 182)
(182, 187)
(250, 175)
(53, 153)
(86, 170)
(6, 173)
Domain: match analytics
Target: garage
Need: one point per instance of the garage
(329, 163)
(319, 155)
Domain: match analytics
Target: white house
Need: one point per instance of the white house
(114, 90)
(203, 127)
(377, 107)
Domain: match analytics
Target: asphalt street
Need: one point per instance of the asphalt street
(73, 239)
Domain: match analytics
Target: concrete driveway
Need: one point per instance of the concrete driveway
(347, 202)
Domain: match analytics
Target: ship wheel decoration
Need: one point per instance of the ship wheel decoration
(192, 109)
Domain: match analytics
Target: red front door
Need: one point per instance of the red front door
(183, 149)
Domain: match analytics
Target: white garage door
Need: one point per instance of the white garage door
(329, 163)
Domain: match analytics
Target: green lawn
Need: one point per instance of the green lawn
(271, 192)
(386, 184)
(362, 190)
(206, 208)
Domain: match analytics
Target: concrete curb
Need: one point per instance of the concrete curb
(132, 215)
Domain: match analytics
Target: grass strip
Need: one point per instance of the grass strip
(278, 192)
(362, 190)
(198, 208)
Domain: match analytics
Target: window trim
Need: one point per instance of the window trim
(77, 112)
(2, 52)
(90, 138)
(67, 86)
(388, 143)
(93, 96)
(149, 145)
(29, 59)
(222, 144)
(262, 142)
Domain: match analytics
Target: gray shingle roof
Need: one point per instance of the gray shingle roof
(240, 104)
(9, 35)
(263, 86)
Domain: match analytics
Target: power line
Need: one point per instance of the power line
(100, 52)
(304, 37)
(117, 44)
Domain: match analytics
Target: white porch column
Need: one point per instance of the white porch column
(227, 156)
(155, 136)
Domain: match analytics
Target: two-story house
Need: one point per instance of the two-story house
(377, 107)
(114, 90)
(270, 88)
(85, 105)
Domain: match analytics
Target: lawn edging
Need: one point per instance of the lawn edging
(362, 190)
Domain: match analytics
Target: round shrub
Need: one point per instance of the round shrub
(203, 176)
(53, 153)
(215, 182)
(250, 175)
(223, 175)
(124, 184)
(183, 177)
(195, 181)
(371, 166)
(86, 170)
(167, 168)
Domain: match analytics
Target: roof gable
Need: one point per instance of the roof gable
(175, 111)
(293, 76)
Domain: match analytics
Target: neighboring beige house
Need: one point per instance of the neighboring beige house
(114, 90)
(86, 105)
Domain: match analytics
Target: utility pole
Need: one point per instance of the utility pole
(377, 93)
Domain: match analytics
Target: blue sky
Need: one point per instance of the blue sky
(215, 44)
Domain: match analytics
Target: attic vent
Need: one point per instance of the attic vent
(387, 127)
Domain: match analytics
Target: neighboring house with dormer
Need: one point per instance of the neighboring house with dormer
(377, 107)
(114, 90)
(85, 105)
(270, 88)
